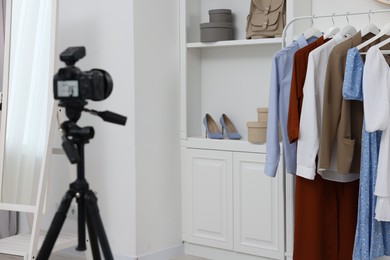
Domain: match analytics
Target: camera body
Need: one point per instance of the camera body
(71, 84)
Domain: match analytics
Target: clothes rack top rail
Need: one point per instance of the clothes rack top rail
(312, 17)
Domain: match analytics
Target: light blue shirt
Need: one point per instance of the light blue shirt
(279, 96)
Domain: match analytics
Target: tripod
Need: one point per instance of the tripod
(88, 211)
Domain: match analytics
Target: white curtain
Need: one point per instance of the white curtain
(27, 109)
(8, 219)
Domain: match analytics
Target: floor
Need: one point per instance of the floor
(62, 257)
(187, 257)
(54, 257)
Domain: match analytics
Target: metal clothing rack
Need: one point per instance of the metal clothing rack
(288, 183)
(312, 17)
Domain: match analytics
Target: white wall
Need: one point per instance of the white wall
(157, 124)
(105, 28)
(134, 169)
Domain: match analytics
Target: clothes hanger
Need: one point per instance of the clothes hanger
(385, 31)
(379, 45)
(332, 31)
(383, 43)
(370, 27)
(348, 30)
(384, 1)
(312, 31)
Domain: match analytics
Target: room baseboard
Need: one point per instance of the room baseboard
(165, 254)
(71, 252)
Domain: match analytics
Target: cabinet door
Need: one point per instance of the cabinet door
(258, 207)
(209, 198)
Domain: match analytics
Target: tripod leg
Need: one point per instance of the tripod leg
(81, 223)
(96, 222)
(55, 226)
(93, 238)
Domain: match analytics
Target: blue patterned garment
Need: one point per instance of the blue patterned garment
(372, 238)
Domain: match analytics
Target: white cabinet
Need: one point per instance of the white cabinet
(210, 195)
(230, 204)
(258, 207)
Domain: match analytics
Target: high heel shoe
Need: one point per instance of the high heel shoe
(229, 128)
(212, 130)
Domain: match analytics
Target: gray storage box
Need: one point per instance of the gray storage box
(212, 32)
(221, 16)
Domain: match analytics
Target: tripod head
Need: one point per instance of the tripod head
(73, 111)
(73, 136)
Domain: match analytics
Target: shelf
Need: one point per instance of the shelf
(223, 145)
(234, 43)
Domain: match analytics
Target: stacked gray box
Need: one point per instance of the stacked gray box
(221, 16)
(220, 27)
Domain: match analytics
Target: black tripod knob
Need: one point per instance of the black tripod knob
(72, 137)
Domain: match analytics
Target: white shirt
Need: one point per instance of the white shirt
(311, 116)
(376, 96)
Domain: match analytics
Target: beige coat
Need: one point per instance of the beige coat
(342, 119)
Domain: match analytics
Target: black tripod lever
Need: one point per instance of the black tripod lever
(71, 134)
(108, 116)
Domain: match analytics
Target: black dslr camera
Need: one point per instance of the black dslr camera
(73, 85)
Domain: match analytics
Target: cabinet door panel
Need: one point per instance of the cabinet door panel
(258, 211)
(210, 198)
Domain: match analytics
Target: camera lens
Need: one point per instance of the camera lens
(103, 86)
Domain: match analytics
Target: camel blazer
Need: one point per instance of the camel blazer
(342, 120)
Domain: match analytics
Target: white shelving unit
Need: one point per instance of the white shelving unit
(228, 77)
(235, 43)
(231, 210)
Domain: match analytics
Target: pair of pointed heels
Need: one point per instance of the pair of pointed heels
(212, 130)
